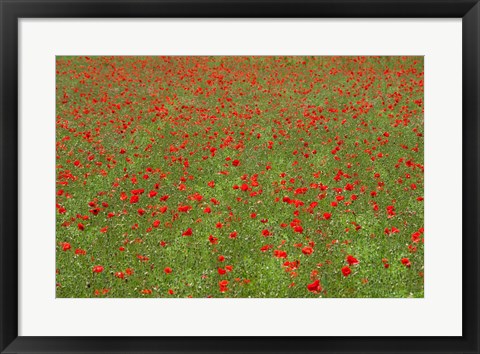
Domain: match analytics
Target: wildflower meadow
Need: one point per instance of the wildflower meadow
(239, 177)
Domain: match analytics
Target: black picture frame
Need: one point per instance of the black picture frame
(12, 11)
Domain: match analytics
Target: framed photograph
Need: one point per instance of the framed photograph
(224, 176)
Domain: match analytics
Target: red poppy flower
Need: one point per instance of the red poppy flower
(97, 269)
(187, 232)
(223, 285)
(184, 208)
(416, 237)
(152, 194)
(167, 270)
(235, 163)
(352, 260)
(65, 246)
(94, 211)
(298, 229)
(134, 199)
(266, 248)
(307, 250)
(390, 211)
(314, 287)
(406, 262)
(280, 254)
(346, 271)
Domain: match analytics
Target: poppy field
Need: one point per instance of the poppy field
(239, 177)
